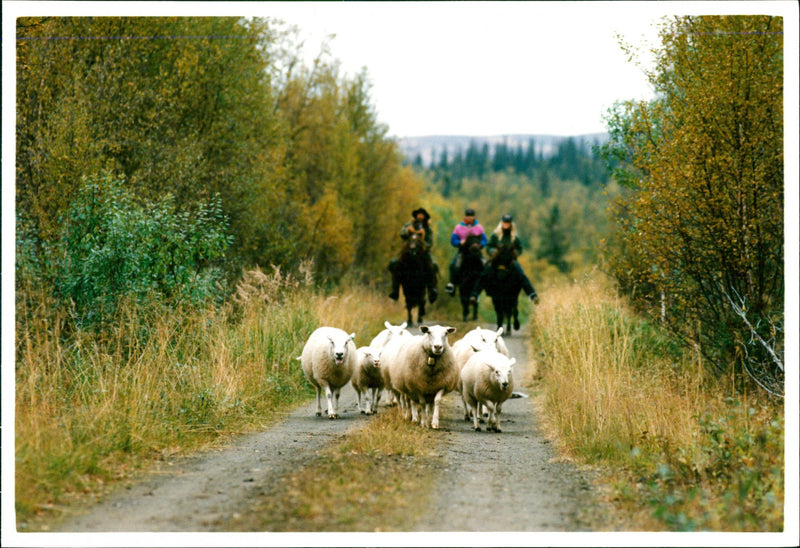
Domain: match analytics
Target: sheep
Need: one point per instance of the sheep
(423, 371)
(367, 379)
(381, 339)
(487, 379)
(328, 360)
(474, 341)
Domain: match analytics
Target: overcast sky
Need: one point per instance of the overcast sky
(483, 68)
(492, 68)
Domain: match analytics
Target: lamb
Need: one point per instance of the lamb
(328, 360)
(487, 379)
(474, 341)
(367, 379)
(423, 371)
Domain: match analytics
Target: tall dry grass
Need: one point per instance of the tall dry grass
(160, 380)
(680, 451)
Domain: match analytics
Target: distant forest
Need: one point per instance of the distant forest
(558, 192)
(572, 160)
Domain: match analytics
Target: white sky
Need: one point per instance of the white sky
(481, 68)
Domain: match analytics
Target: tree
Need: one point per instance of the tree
(554, 246)
(702, 220)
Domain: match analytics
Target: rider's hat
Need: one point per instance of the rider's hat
(420, 210)
(507, 218)
(469, 212)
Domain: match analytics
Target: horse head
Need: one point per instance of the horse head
(472, 246)
(413, 246)
(503, 256)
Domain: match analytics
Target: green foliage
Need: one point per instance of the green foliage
(114, 246)
(733, 479)
(700, 227)
(201, 106)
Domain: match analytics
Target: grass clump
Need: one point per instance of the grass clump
(371, 481)
(684, 452)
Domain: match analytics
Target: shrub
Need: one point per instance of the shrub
(115, 246)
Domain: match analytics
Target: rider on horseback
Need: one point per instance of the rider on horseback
(466, 228)
(506, 235)
(419, 226)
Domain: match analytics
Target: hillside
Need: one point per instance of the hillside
(430, 146)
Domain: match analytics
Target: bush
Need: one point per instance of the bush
(115, 246)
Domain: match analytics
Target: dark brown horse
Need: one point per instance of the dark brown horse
(471, 267)
(415, 274)
(503, 281)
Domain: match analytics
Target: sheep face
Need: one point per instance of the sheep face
(487, 339)
(500, 372)
(372, 357)
(338, 348)
(436, 338)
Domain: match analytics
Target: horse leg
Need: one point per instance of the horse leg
(420, 310)
(475, 310)
(516, 318)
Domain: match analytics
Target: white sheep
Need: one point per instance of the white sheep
(367, 379)
(329, 358)
(392, 333)
(474, 341)
(381, 339)
(487, 379)
(423, 371)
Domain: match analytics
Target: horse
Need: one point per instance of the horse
(502, 282)
(471, 267)
(415, 274)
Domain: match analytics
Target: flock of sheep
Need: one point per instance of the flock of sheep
(416, 370)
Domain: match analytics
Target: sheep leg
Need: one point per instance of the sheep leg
(467, 414)
(491, 421)
(360, 408)
(319, 401)
(436, 401)
(475, 414)
(329, 396)
(497, 409)
(415, 411)
(376, 399)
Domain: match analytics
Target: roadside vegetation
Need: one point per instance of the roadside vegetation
(678, 449)
(145, 327)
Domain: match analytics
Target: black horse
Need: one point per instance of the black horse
(503, 281)
(471, 267)
(414, 272)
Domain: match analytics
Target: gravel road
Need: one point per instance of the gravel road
(509, 481)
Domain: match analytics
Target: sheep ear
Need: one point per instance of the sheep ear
(387, 324)
(450, 329)
(499, 331)
(403, 325)
(352, 336)
(424, 328)
(512, 361)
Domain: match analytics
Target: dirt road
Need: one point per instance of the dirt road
(507, 481)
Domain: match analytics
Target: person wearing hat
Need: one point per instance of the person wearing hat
(506, 234)
(419, 225)
(469, 226)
